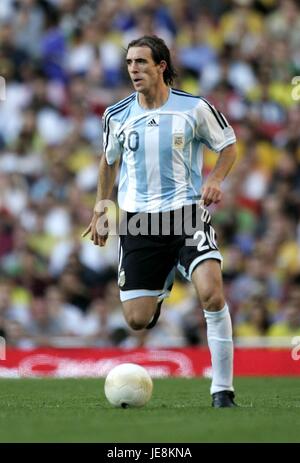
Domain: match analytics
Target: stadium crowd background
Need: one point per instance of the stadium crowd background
(62, 61)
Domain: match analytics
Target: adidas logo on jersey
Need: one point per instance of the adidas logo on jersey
(152, 123)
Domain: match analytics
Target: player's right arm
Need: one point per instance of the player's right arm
(108, 168)
(98, 227)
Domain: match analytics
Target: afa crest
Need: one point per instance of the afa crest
(178, 141)
(121, 280)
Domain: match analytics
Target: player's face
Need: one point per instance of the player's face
(145, 74)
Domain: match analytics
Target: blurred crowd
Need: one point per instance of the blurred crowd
(63, 64)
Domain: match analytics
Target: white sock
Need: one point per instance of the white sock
(219, 337)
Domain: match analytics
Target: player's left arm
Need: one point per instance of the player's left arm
(211, 190)
(215, 132)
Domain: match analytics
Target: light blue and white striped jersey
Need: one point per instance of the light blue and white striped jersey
(161, 149)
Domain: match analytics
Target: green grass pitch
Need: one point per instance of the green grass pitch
(75, 410)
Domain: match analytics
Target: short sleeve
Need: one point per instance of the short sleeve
(111, 145)
(212, 128)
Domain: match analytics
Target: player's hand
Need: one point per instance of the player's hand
(98, 228)
(211, 192)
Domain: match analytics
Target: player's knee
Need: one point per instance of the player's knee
(137, 323)
(136, 319)
(139, 312)
(213, 301)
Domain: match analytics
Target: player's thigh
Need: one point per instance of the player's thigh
(145, 267)
(198, 242)
(200, 259)
(145, 263)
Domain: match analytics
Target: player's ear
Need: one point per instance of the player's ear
(162, 66)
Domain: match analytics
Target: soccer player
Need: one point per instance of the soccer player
(158, 133)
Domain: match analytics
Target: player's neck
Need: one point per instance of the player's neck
(155, 98)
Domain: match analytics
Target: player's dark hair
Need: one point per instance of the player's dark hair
(160, 52)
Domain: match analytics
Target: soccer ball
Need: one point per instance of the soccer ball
(128, 385)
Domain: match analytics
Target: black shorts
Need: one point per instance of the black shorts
(152, 245)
